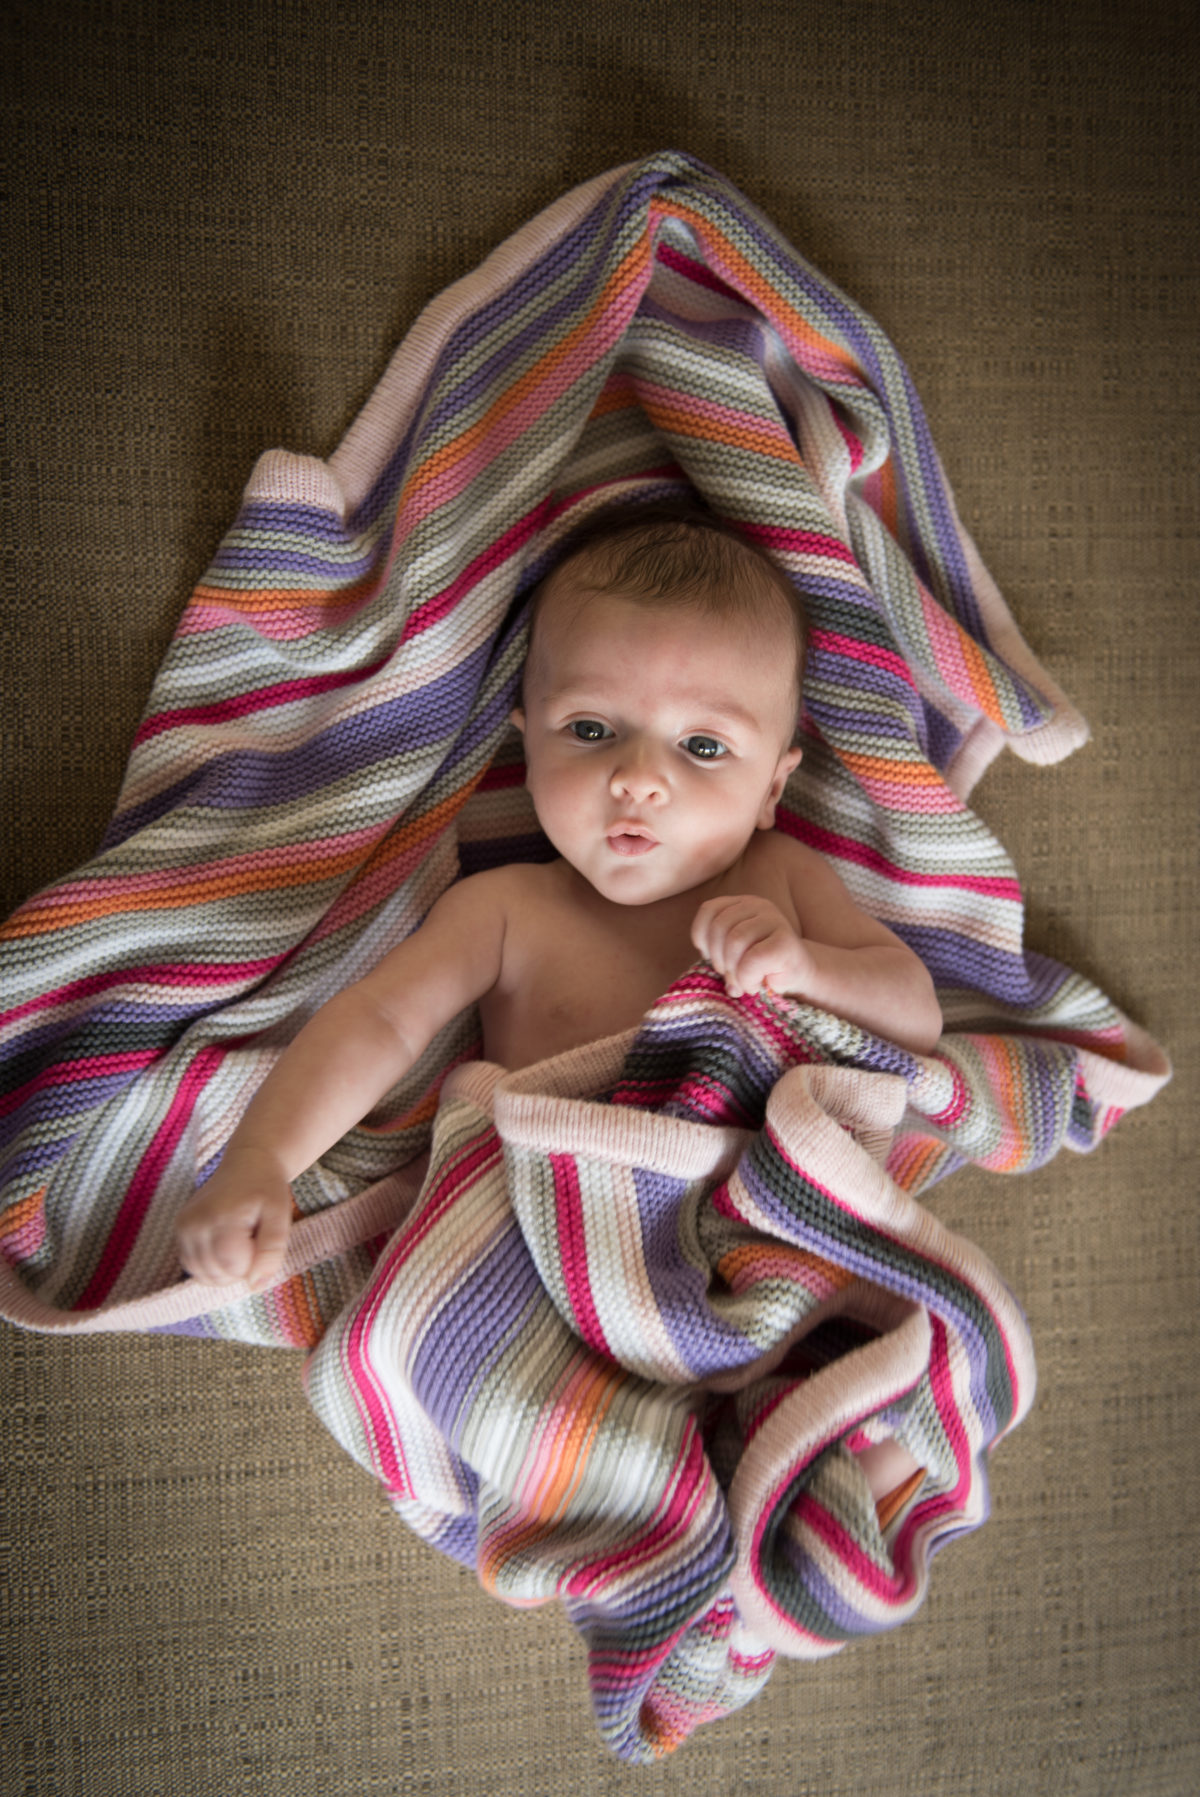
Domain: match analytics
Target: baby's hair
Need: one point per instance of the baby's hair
(674, 552)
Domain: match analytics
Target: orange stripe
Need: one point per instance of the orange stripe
(420, 1113)
(910, 1170)
(273, 599)
(902, 773)
(889, 503)
(200, 892)
(1008, 1086)
(617, 395)
(769, 300)
(429, 823)
(762, 440)
(567, 1456)
(981, 680)
(580, 1437)
(514, 397)
(890, 1506)
(731, 1265)
(19, 1215)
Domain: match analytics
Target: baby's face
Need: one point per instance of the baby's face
(657, 738)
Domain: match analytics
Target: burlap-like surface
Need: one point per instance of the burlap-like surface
(217, 221)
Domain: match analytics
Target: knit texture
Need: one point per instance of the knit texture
(326, 746)
(656, 1294)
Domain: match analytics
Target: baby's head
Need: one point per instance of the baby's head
(672, 554)
(661, 695)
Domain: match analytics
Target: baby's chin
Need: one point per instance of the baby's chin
(636, 880)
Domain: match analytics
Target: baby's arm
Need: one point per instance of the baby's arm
(841, 958)
(342, 1062)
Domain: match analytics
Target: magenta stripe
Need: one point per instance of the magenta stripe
(164, 974)
(240, 705)
(689, 1483)
(74, 1073)
(800, 542)
(695, 272)
(496, 553)
(845, 848)
(143, 1186)
(856, 650)
(572, 1237)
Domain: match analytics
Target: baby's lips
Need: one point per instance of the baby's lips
(631, 840)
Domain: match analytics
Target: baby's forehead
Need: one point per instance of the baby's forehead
(586, 639)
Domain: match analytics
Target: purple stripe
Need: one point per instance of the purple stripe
(706, 1343)
(474, 329)
(276, 516)
(261, 560)
(244, 779)
(836, 719)
(488, 1313)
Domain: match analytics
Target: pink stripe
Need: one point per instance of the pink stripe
(242, 705)
(275, 626)
(75, 1072)
(852, 650)
(159, 974)
(845, 848)
(728, 418)
(573, 1254)
(144, 1184)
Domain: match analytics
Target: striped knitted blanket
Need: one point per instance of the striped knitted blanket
(326, 747)
(655, 1296)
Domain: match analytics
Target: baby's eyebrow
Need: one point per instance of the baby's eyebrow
(699, 710)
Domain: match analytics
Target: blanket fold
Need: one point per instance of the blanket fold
(688, 1272)
(624, 1352)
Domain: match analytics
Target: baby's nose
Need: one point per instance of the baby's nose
(639, 778)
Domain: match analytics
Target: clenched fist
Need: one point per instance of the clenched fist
(751, 944)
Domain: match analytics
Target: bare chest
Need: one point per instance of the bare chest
(571, 979)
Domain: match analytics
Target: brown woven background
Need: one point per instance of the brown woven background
(213, 234)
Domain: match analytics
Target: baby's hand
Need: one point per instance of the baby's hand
(236, 1226)
(751, 943)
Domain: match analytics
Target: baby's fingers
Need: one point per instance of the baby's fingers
(716, 925)
(269, 1245)
(221, 1250)
(755, 966)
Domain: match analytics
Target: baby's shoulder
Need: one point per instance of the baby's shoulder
(815, 888)
(512, 890)
(781, 857)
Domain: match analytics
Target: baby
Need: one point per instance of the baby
(659, 708)
(660, 705)
(660, 702)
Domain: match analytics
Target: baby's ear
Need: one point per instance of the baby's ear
(517, 716)
(789, 760)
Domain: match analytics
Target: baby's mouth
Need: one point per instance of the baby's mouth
(631, 839)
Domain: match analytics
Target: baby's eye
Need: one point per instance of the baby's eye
(705, 748)
(589, 730)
